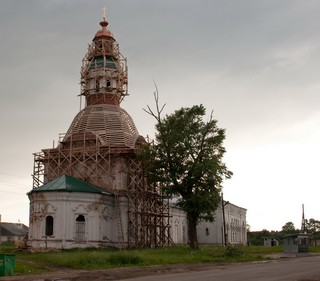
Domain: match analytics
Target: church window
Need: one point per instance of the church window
(108, 83)
(49, 225)
(80, 228)
(184, 234)
(97, 85)
(207, 231)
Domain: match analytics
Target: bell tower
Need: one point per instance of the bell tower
(104, 72)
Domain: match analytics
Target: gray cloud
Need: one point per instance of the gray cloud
(255, 63)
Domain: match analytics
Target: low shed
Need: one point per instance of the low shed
(270, 241)
(296, 243)
(11, 232)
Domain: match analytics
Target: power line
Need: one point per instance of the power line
(11, 184)
(11, 191)
(12, 175)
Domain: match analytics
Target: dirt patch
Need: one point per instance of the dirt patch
(111, 274)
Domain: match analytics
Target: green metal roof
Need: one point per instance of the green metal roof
(67, 183)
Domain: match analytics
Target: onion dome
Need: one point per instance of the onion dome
(104, 32)
(110, 125)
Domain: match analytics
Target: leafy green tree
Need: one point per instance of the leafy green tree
(289, 228)
(185, 160)
(255, 238)
(313, 227)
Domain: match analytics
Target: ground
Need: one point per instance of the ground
(124, 273)
(110, 274)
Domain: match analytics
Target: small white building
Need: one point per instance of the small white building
(12, 232)
(270, 241)
(70, 213)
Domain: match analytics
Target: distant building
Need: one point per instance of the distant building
(296, 243)
(212, 232)
(270, 241)
(235, 222)
(12, 232)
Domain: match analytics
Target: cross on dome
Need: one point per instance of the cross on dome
(104, 9)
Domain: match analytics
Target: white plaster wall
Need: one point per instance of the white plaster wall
(102, 221)
(178, 226)
(211, 232)
(119, 172)
(65, 207)
(236, 224)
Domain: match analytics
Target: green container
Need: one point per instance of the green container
(7, 265)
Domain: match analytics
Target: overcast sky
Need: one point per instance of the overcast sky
(255, 63)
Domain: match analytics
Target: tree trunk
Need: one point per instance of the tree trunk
(192, 232)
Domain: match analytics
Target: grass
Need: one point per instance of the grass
(35, 263)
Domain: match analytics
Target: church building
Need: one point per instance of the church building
(90, 190)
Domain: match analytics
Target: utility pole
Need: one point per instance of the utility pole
(0, 231)
(303, 221)
(225, 234)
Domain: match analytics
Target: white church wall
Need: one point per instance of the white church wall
(119, 172)
(211, 232)
(236, 224)
(178, 226)
(82, 220)
(78, 220)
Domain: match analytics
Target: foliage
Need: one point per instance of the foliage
(6, 246)
(186, 162)
(261, 250)
(123, 258)
(233, 251)
(256, 237)
(289, 228)
(313, 228)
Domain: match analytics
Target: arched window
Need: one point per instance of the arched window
(207, 231)
(80, 228)
(97, 85)
(184, 234)
(49, 225)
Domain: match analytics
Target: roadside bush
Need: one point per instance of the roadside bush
(122, 258)
(234, 251)
(230, 251)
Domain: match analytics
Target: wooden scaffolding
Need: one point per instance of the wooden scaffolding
(148, 213)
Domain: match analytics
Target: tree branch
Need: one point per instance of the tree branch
(159, 110)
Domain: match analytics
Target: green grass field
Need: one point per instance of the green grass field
(34, 263)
